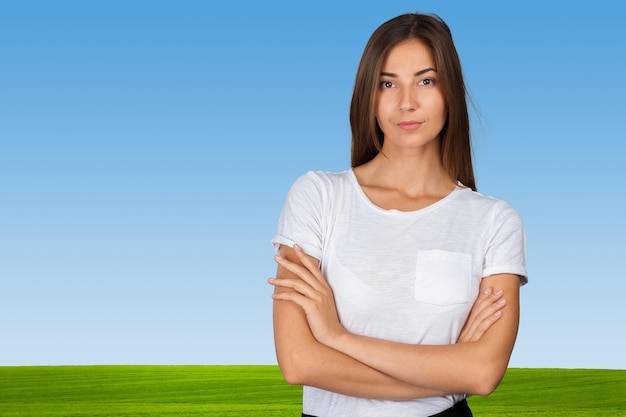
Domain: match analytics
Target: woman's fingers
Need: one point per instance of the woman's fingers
(298, 285)
(309, 280)
(302, 272)
(307, 287)
(483, 321)
(298, 297)
(311, 265)
(487, 303)
(485, 312)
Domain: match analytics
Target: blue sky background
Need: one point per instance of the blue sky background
(146, 148)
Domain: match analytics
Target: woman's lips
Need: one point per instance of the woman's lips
(410, 125)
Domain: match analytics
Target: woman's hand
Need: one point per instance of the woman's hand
(486, 311)
(312, 293)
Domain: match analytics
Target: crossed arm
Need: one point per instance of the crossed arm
(314, 349)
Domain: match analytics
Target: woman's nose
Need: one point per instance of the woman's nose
(408, 100)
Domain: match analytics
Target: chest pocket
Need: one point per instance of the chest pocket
(443, 277)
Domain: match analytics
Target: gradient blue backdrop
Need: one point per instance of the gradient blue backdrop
(146, 148)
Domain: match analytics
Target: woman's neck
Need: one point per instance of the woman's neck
(412, 175)
(403, 183)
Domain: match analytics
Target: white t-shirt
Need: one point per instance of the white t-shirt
(409, 277)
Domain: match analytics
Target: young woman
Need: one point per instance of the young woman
(397, 290)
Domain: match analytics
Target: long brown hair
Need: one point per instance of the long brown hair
(367, 137)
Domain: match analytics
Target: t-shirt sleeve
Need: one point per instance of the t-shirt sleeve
(301, 219)
(506, 249)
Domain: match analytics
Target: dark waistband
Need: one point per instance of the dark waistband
(460, 409)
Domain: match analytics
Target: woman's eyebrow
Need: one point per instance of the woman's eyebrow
(424, 71)
(418, 73)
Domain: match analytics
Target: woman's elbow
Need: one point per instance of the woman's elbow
(294, 369)
(487, 379)
(292, 375)
(486, 387)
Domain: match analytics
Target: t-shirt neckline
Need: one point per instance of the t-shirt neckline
(394, 212)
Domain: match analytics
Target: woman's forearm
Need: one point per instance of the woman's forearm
(442, 367)
(475, 367)
(305, 361)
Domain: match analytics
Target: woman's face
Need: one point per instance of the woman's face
(410, 107)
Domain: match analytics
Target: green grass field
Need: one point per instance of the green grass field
(259, 391)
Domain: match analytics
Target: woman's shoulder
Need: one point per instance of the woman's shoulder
(488, 204)
(333, 176)
(323, 180)
(317, 191)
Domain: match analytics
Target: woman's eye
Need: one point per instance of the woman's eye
(427, 81)
(386, 84)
